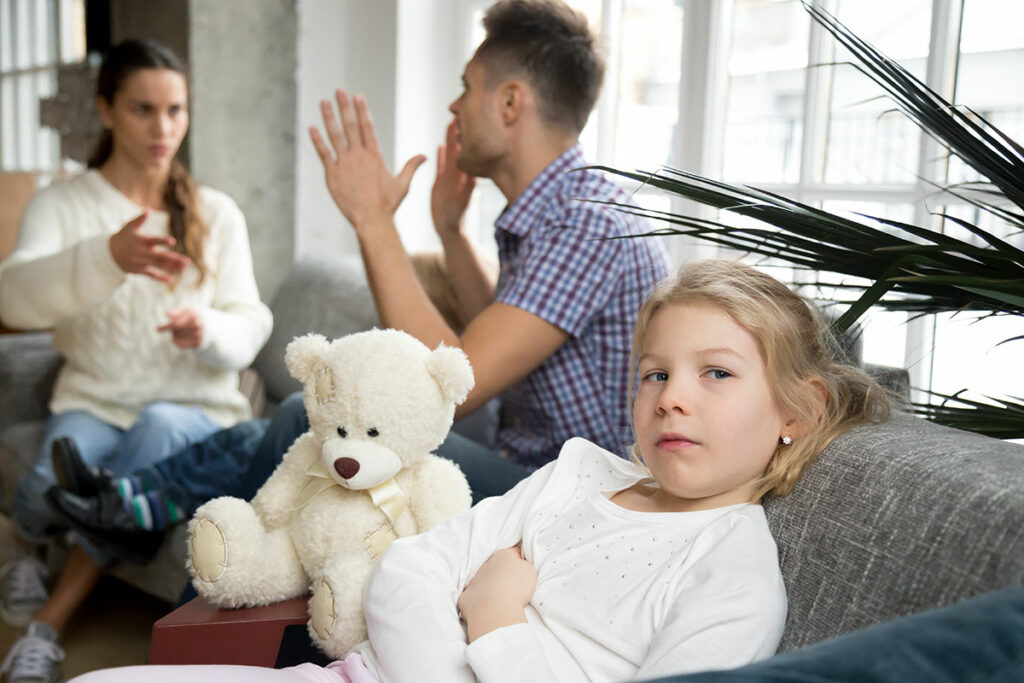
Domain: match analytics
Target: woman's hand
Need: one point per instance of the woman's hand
(498, 594)
(185, 326)
(449, 197)
(151, 256)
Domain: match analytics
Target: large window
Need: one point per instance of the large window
(766, 107)
(754, 91)
(36, 37)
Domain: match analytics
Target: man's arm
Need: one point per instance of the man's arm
(503, 343)
(471, 278)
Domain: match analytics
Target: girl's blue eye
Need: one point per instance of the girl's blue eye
(657, 376)
(718, 373)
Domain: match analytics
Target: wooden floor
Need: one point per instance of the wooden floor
(111, 629)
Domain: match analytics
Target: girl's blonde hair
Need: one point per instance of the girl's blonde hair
(796, 345)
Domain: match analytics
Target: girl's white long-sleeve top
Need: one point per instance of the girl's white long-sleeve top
(61, 275)
(620, 594)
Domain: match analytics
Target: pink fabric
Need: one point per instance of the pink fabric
(352, 669)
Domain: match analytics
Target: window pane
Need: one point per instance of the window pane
(27, 117)
(968, 355)
(592, 10)
(648, 83)
(883, 333)
(44, 31)
(867, 142)
(23, 35)
(6, 36)
(991, 56)
(763, 126)
(8, 133)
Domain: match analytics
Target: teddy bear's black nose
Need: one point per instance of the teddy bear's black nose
(346, 467)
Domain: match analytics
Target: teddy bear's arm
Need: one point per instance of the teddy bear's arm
(278, 498)
(440, 491)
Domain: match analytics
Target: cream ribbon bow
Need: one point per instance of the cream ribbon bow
(388, 496)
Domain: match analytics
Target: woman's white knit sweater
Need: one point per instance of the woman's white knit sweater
(61, 275)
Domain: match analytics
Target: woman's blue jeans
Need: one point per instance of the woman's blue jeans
(161, 429)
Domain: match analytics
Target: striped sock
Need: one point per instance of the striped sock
(138, 483)
(153, 510)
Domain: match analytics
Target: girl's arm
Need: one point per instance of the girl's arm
(237, 323)
(730, 612)
(411, 599)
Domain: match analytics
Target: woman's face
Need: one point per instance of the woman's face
(148, 117)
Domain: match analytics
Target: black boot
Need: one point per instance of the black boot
(104, 520)
(73, 473)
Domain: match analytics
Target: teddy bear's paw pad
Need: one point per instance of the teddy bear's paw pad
(208, 550)
(321, 609)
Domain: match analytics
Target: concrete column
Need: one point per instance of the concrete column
(244, 58)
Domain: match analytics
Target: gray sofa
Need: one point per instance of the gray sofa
(892, 519)
(325, 296)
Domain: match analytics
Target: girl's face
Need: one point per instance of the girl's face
(705, 420)
(148, 117)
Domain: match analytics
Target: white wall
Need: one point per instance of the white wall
(350, 44)
(407, 57)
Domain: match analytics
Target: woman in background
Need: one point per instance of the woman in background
(147, 281)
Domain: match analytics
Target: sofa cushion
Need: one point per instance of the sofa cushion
(981, 639)
(28, 369)
(328, 296)
(894, 519)
(18, 446)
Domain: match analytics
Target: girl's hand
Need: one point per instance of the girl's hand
(499, 593)
(185, 326)
(151, 256)
(449, 197)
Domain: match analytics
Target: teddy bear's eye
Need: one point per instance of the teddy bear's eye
(372, 431)
(342, 433)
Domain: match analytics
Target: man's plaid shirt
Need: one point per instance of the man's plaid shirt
(556, 265)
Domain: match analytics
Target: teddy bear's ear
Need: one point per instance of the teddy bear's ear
(303, 353)
(451, 370)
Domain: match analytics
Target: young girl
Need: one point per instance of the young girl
(147, 281)
(596, 568)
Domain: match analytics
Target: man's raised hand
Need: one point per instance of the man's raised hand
(452, 188)
(357, 177)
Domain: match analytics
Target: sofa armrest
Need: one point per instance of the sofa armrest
(28, 369)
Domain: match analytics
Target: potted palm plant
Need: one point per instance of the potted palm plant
(902, 266)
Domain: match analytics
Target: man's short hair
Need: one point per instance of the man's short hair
(551, 46)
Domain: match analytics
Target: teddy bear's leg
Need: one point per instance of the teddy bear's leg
(235, 562)
(336, 621)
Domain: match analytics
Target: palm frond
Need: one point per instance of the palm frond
(999, 418)
(906, 267)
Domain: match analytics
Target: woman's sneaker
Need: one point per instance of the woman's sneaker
(35, 657)
(23, 591)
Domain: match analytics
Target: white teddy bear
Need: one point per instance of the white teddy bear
(379, 403)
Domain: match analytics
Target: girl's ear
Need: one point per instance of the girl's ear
(798, 427)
